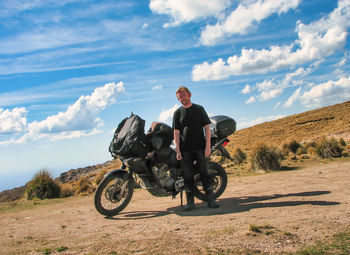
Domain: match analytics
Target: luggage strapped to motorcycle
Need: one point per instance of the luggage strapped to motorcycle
(129, 138)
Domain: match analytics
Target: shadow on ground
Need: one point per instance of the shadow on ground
(234, 205)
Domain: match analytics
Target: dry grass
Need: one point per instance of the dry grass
(331, 121)
(265, 158)
(84, 186)
(42, 186)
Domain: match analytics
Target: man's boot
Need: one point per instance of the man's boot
(190, 201)
(211, 200)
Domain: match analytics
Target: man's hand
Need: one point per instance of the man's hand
(177, 144)
(178, 155)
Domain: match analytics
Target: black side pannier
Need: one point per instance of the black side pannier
(129, 138)
(222, 126)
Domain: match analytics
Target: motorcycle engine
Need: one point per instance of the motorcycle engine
(164, 176)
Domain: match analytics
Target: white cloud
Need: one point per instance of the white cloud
(247, 89)
(48, 38)
(244, 17)
(265, 85)
(267, 95)
(315, 41)
(259, 120)
(270, 89)
(80, 118)
(10, 8)
(167, 114)
(267, 89)
(12, 121)
(183, 11)
(277, 105)
(158, 87)
(252, 99)
(327, 93)
(344, 60)
(293, 98)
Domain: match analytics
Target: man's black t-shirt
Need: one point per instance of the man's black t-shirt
(190, 121)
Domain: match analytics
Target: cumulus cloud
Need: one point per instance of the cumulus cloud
(327, 93)
(183, 11)
(80, 118)
(247, 89)
(12, 121)
(244, 17)
(315, 42)
(167, 114)
(267, 95)
(267, 90)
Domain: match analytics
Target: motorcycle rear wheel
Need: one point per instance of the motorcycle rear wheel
(218, 182)
(109, 200)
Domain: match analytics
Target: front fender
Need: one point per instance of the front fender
(117, 172)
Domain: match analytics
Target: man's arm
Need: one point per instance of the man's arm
(177, 144)
(207, 150)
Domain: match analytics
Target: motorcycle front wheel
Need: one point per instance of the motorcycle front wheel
(113, 194)
(217, 180)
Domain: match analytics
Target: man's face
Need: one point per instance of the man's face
(183, 97)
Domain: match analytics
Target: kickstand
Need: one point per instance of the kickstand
(181, 197)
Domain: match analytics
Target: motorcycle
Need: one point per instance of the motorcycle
(159, 173)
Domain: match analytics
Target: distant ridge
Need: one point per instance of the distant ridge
(307, 126)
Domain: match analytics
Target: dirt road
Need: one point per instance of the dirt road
(290, 208)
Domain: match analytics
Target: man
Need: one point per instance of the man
(191, 145)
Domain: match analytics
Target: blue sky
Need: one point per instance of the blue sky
(71, 70)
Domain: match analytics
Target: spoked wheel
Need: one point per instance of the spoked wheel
(218, 181)
(113, 195)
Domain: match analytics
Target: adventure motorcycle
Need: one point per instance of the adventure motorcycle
(159, 172)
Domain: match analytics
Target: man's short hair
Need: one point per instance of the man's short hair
(183, 88)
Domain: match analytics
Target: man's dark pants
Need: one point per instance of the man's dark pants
(188, 157)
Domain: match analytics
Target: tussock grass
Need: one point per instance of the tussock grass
(42, 186)
(239, 156)
(99, 176)
(67, 190)
(84, 186)
(265, 158)
(291, 146)
(328, 148)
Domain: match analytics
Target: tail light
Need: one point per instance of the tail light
(226, 142)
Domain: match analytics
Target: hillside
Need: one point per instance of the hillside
(327, 121)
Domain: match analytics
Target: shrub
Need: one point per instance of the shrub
(67, 190)
(239, 156)
(301, 150)
(311, 151)
(291, 146)
(84, 186)
(42, 186)
(328, 148)
(342, 142)
(100, 175)
(265, 158)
